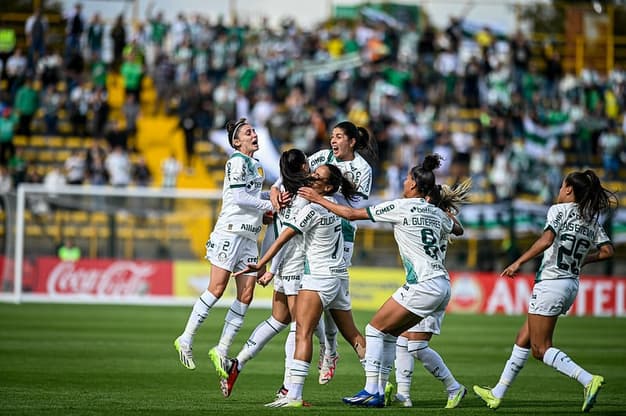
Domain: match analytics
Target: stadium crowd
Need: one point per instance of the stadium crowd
(494, 108)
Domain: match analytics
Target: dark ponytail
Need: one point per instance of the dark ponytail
(423, 174)
(294, 177)
(592, 198)
(364, 143)
(340, 183)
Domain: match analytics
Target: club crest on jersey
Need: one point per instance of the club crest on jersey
(260, 171)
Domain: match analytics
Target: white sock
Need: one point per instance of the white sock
(557, 359)
(320, 333)
(433, 362)
(404, 367)
(513, 366)
(290, 348)
(198, 314)
(373, 357)
(386, 365)
(261, 335)
(331, 335)
(232, 325)
(299, 371)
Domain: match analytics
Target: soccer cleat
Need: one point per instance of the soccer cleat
(184, 354)
(389, 388)
(363, 398)
(405, 401)
(485, 393)
(227, 384)
(327, 372)
(285, 402)
(591, 392)
(455, 398)
(281, 392)
(221, 363)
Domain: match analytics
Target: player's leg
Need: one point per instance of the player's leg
(405, 364)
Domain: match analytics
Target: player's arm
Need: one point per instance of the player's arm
(603, 252)
(341, 210)
(286, 235)
(457, 227)
(538, 247)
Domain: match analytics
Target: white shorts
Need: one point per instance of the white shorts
(553, 297)
(431, 324)
(333, 292)
(289, 284)
(231, 252)
(424, 298)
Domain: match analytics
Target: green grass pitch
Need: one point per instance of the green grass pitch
(117, 360)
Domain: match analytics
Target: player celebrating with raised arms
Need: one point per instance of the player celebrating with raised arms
(231, 245)
(571, 233)
(418, 227)
(324, 285)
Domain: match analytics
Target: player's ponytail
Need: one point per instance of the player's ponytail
(294, 177)
(423, 174)
(340, 183)
(592, 198)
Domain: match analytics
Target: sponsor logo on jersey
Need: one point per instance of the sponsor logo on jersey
(306, 219)
(385, 210)
(250, 228)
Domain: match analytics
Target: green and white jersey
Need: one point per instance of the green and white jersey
(358, 171)
(573, 238)
(323, 241)
(242, 171)
(418, 228)
(290, 258)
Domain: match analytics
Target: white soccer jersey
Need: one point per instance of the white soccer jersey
(358, 171)
(418, 228)
(574, 237)
(241, 172)
(323, 241)
(290, 258)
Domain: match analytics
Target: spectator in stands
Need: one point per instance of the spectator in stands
(164, 76)
(6, 182)
(49, 68)
(95, 35)
(80, 96)
(17, 166)
(117, 135)
(158, 31)
(75, 167)
(26, 105)
(118, 167)
(131, 111)
(36, 31)
(74, 30)
(69, 251)
(132, 73)
(15, 68)
(611, 144)
(8, 123)
(141, 172)
(51, 103)
(118, 36)
(100, 108)
(96, 171)
(170, 168)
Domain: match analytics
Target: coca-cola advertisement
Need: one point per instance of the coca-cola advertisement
(103, 278)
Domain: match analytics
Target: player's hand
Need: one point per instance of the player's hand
(309, 194)
(275, 198)
(265, 279)
(510, 271)
(285, 199)
(252, 268)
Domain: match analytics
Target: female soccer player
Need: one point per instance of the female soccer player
(414, 343)
(571, 230)
(353, 151)
(287, 269)
(418, 227)
(231, 245)
(324, 285)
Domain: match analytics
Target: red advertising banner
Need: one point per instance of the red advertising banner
(103, 278)
(490, 294)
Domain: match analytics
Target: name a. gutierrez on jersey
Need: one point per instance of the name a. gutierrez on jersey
(423, 221)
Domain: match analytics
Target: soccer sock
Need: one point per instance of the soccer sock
(331, 335)
(404, 367)
(433, 362)
(373, 358)
(557, 359)
(298, 373)
(262, 334)
(513, 366)
(232, 324)
(386, 365)
(290, 348)
(200, 311)
(320, 333)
